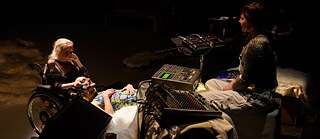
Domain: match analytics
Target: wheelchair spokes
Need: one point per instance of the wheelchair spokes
(41, 107)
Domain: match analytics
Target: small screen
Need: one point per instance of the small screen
(165, 75)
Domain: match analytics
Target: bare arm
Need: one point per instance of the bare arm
(229, 86)
(76, 59)
(107, 103)
(67, 85)
(129, 88)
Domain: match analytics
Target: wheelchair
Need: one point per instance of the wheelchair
(46, 102)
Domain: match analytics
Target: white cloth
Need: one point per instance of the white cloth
(224, 99)
(124, 123)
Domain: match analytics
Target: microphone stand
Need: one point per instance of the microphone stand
(201, 86)
(202, 55)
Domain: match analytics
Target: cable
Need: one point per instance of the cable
(202, 39)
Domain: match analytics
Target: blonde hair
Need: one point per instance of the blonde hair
(59, 45)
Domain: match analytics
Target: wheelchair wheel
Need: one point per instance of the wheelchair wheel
(41, 107)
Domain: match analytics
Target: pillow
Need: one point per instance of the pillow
(288, 89)
(292, 82)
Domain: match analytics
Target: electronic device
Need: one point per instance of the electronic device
(169, 106)
(79, 119)
(179, 77)
(200, 44)
(228, 74)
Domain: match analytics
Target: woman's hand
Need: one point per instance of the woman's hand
(129, 88)
(108, 93)
(76, 59)
(230, 85)
(79, 81)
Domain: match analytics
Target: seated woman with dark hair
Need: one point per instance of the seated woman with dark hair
(249, 93)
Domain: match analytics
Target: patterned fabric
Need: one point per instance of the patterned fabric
(155, 131)
(258, 65)
(122, 98)
(119, 99)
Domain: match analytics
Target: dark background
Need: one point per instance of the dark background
(166, 18)
(105, 33)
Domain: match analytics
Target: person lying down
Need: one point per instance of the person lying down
(121, 105)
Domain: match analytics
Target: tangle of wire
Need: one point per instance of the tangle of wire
(145, 103)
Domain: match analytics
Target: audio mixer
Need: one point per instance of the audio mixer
(178, 77)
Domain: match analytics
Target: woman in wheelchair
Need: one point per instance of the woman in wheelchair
(64, 69)
(66, 76)
(63, 66)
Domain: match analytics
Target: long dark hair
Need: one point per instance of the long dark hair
(256, 17)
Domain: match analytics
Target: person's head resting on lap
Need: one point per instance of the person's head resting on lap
(84, 81)
(87, 85)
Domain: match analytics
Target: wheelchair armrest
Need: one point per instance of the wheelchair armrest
(44, 86)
